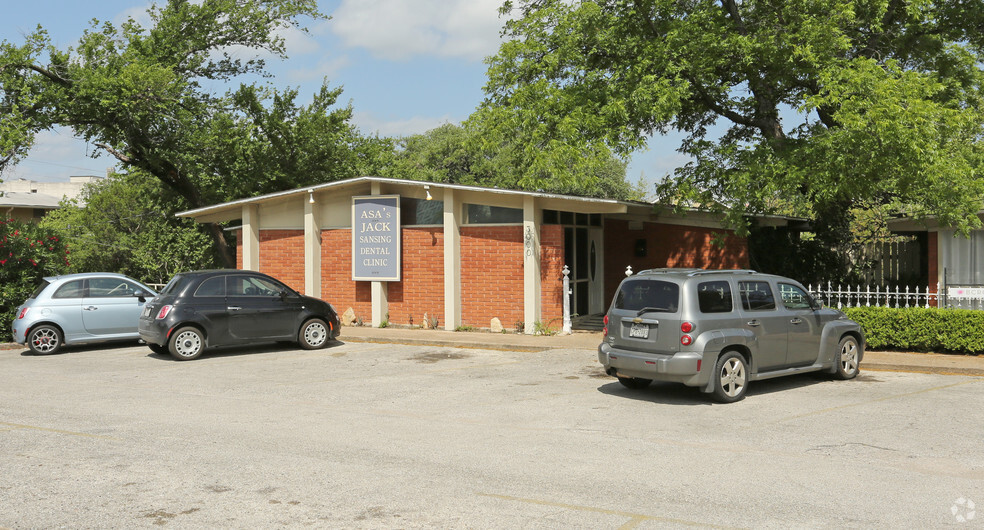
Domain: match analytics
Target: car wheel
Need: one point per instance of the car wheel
(635, 383)
(730, 377)
(158, 349)
(848, 358)
(314, 334)
(44, 340)
(186, 344)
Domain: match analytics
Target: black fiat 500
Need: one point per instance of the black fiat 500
(203, 309)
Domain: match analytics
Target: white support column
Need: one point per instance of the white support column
(251, 237)
(452, 262)
(531, 265)
(312, 248)
(379, 291)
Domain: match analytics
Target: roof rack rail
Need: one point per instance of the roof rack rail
(701, 272)
(668, 270)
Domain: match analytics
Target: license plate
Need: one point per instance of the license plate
(146, 310)
(639, 331)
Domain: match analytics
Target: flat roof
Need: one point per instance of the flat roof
(23, 199)
(232, 210)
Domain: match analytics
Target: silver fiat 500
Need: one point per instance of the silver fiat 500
(719, 330)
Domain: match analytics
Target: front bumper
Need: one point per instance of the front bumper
(686, 367)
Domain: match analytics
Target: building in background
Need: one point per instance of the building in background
(28, 200)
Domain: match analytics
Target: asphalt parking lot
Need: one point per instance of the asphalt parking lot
(364, 435)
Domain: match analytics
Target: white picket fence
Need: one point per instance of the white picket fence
(962, 297)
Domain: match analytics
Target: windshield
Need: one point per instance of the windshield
(648, 295)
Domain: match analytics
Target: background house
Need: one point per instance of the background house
(26, 200)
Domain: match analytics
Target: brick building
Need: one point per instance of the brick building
(462, 254)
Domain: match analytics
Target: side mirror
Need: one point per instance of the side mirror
(140, 295)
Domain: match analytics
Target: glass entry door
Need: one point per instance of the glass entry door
(582, 253)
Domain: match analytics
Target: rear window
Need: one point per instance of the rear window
(44, 284)
(652, 295)
(175, 285)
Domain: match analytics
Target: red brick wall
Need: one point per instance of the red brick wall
(421, 289)
(282, 256)
(551, 275)
(491, 275)
(337, 286)
(239, 249)
(667, 246)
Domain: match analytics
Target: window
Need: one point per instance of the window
(420, 212)
(756, 296)
(554, 217)
(72, 289)
(212, 287)
(40, 288)
(715, 297)
(653, 295)
(252, 286)
(484, 214)
(794, 298)
(110, 287)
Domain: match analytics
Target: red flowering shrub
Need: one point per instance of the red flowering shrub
(28, 253)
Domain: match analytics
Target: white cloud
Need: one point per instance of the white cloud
(56, 156)
(369, 123)
(399, 29)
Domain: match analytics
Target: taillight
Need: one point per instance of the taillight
(604, 330)
(163, 312)
(22, 313)
(686, 327)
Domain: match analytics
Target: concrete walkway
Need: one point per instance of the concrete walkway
(582, 340)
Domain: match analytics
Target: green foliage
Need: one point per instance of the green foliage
(795, 107)
(466, 155)
(921, 329)
(28, 253)
(143, 96)
(126, 224)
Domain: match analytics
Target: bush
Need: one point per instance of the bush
(28, 253)
(921, 329)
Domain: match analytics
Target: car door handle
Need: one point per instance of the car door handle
(754, 323)
(796, 321)
(91, 308)
(234, 308)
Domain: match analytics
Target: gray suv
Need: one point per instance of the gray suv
(719, 330)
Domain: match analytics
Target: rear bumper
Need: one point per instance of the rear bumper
(153, 331)
(687, 367)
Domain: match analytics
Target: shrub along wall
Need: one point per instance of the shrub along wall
(921, 329)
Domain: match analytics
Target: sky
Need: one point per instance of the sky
(405, 66)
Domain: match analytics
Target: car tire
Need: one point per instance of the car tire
(635, 383)
(186, 344)
(44, 340)
(158, 349)
(730, 377)
(847, 358)
(314, 334)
